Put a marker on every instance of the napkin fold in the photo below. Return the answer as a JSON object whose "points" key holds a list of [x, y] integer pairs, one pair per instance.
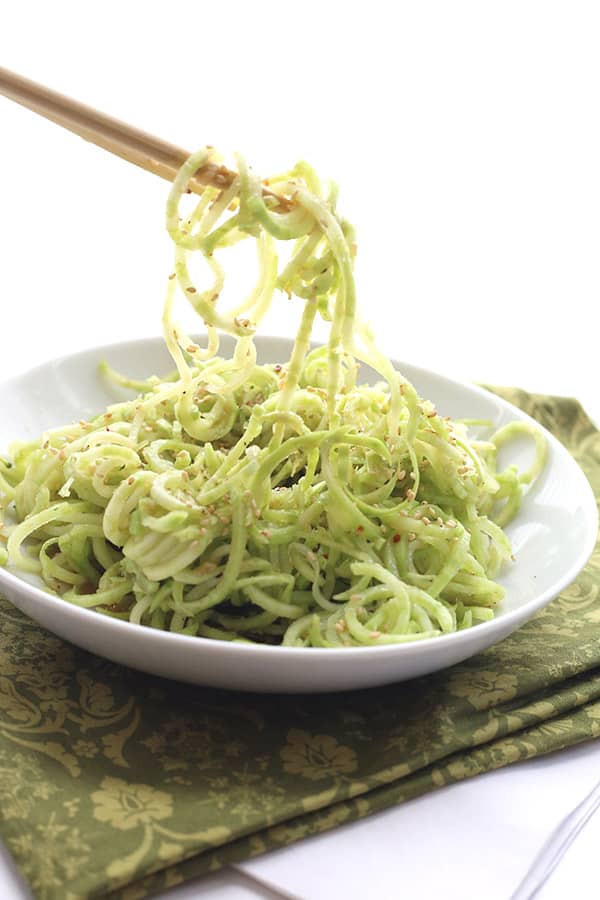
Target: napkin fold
{"points": [[117, 783]]}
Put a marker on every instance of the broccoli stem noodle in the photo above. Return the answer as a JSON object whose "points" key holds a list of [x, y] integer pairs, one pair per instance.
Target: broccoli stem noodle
{"points": [[282, 504]]}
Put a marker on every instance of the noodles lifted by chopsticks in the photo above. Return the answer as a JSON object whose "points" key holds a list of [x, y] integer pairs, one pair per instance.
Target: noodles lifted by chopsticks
{"points": [[284, 504]]}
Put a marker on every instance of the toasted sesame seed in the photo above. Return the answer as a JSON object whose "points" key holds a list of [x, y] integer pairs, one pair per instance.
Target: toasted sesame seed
{"points": [[191, 290], [172, 276], [451, 523], [130, 480]]}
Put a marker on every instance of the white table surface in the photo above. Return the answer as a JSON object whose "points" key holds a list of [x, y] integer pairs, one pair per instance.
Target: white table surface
{"points": [[465, 141]]}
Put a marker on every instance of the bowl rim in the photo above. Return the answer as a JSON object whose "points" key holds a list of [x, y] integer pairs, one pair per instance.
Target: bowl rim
{"points": [[506, 623]]}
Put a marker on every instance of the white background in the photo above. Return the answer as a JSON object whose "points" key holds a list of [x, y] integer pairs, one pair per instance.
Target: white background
{"points": [[465, 138]]}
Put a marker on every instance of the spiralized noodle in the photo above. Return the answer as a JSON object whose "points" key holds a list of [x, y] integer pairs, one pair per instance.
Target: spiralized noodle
{"points": [[283, 504]]}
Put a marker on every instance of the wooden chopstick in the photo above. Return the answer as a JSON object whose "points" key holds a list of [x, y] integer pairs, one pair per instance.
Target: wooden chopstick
{"points": [[132, 144]]}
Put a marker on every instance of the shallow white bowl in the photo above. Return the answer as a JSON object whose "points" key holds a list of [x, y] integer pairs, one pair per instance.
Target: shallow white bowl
{"points": [[552, 536]]}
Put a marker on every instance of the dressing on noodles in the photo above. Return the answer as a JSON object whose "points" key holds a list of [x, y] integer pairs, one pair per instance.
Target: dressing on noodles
{"points": [[283, 504]]}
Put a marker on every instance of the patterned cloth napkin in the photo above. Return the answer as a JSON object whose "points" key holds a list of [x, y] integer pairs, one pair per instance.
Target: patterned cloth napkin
{"points": [[114, 782]]}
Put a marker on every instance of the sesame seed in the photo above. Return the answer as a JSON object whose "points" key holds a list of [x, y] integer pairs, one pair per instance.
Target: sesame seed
{"points": [[190, 290], [130, 480], [451, 523], [440, 521], [412, 536], [172, 276], [426, 521], [375, 635], [410, 494], [431, 511]]}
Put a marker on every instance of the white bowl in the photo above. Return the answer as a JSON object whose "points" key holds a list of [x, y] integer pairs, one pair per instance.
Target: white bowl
{"points": [[552, 536]]}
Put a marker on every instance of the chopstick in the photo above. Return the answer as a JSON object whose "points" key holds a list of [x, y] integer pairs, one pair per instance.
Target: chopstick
{"points": [[129, 143]]}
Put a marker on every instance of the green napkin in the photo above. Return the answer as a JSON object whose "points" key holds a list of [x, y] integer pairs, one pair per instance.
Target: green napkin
{"points": [[114, 781]]}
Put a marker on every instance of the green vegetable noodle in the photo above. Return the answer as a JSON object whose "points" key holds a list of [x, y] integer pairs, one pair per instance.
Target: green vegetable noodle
{"points": [[280, 504]]}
